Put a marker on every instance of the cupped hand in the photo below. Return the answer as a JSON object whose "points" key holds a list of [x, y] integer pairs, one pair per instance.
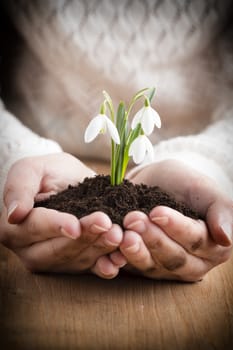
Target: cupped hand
{"points": [[48, 240], [166, 244], [35, 178]]}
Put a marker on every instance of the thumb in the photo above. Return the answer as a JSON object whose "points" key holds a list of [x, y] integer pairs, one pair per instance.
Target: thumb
{"points": [[220, 222], [22, 185]]}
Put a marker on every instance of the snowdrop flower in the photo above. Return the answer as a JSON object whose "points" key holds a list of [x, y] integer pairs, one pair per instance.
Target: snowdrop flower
{"points": [[126, 142], [139, 147], [98, 125], [148, 117]]}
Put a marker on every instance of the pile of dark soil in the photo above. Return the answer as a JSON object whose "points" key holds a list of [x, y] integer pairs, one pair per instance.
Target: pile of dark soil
{"points": [[97, 194]]}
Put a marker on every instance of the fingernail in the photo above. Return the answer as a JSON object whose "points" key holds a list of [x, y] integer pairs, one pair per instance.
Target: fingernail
{"points": [[121, 264], [11, 209], [137, 225], [160, 220], [110, 243], [133, 248], [227, 230], [67, 234], [98, 229], [118, 259], [121, 261]]}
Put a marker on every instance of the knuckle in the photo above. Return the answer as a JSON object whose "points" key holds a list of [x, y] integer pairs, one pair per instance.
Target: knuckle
{"points": [[155, 244], [197, 243], [139, 260], [84, 263], [176, 262], [59, 253], [86, 239], [100, 245], [104, 244], [153, 272]]}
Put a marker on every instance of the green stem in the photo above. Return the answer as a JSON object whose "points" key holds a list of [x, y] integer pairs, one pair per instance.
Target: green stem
{"points": [[109, 103], [113, 163], [119, 153]]}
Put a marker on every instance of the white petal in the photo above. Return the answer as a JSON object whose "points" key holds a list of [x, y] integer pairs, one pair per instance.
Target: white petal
{"points": [[94, 127], [137, 118], [150, 118], [156, 118], [149, 148], [113, 131], [148, 121], [137, 150]]}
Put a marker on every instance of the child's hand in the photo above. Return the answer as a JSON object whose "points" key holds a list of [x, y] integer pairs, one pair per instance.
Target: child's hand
{"points": [[47, 240], [168, 245]]}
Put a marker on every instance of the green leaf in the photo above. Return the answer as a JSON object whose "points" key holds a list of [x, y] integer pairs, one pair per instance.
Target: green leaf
{"points": [[108, 100], [151, 94], [120, 117], [139, 94], [121, 124], [134, 134], [125, 152]]}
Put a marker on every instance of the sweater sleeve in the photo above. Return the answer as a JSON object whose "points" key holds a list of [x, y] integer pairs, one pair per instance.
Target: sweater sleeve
{"points": [[17, 141], [210, 152]]}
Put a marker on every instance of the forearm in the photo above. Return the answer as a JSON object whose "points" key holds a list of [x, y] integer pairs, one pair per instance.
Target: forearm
{"points": [[16, 142]]}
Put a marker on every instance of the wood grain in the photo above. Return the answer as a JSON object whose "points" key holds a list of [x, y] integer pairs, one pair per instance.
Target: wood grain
{"points": [[46, 311], [85, 312]]}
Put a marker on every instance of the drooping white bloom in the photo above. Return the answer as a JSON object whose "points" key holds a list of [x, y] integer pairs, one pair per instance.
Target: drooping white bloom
{"points": [[148, 117], [139, 148], [100, 124]]}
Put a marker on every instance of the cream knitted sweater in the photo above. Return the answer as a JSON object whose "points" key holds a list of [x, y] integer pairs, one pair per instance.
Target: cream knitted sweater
{"points": [[70, 51]]}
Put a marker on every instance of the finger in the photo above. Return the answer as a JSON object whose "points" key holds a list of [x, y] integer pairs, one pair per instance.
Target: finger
{"points": [[216, 207], [191, 234], [93, 225], [171, 261], [104, 244], [22, 184], [135, 251], [59, 254], [40, 225], [66, 256], [50, 255], [164, 251], [74, 256], [105, 268], [197, 190], [118, 258], [220, 222]]}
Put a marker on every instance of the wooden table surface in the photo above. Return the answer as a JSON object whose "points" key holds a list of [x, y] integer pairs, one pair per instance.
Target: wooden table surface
{"points": [[47, 311]]}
